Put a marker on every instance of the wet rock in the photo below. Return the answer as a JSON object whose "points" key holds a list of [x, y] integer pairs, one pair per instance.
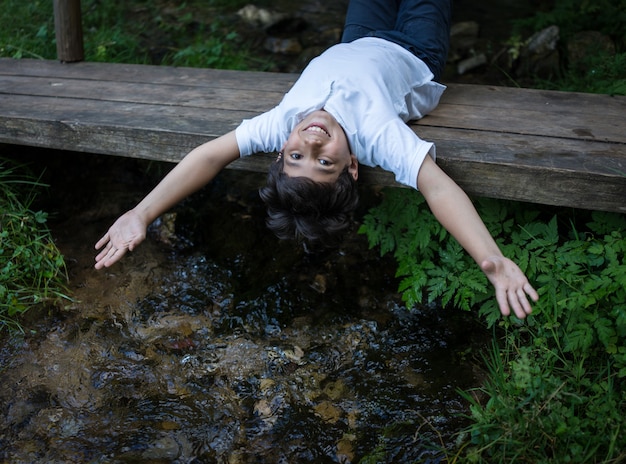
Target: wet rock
{"points": [[328, 412], [345, 448], [466, 50], [543, 42], [165, 448], [56, 421], [260, 17], [160, 326], [177, 344], [319, 283], [540, 56], [200, 366], [471, 63], [270, 407], [20, 411], [335, 390], [164, 229], [284, 359]]}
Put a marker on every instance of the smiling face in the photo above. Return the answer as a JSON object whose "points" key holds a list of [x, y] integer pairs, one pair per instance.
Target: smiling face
{"points": [[317, 148]]}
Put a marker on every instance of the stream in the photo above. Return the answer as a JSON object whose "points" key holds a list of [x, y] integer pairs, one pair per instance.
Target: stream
{"points": [[214, 342]]}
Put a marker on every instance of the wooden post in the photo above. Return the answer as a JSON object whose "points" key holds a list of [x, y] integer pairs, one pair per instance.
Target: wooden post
{"points": [[68, 30]]}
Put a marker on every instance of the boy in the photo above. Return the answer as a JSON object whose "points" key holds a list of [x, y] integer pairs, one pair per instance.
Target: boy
{"points": [[350, 105]]}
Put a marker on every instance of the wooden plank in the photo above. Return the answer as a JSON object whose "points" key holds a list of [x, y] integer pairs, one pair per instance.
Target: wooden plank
{"points": [[119, 72], [541, 100], [545, 147], [532, 107], [576, 174], [471, 107], [521, 150], [510, 166], [253, 100], [72, 125], [592, 157], [524, 121]]}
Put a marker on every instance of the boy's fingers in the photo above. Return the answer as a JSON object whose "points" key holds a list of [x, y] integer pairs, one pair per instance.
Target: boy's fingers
{"points": [[103, 241], [503, 303], [114, 257], [109, 257], [515, 304], [521, 306], [531, 292]]}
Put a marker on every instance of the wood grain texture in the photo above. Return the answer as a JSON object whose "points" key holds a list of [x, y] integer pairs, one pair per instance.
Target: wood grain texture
{"points": [[556, 148]]}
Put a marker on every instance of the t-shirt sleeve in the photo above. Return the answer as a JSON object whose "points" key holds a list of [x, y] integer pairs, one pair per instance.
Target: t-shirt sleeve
{"points": [[264, 133], [396, 148]]}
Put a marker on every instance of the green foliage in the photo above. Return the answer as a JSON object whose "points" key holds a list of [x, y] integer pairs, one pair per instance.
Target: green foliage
{"points": [[191, 33], [599, 71], [431, 264], [212, 52], [555, 391], [572, 16], [28, 32], [547, 407], [32, 270]]}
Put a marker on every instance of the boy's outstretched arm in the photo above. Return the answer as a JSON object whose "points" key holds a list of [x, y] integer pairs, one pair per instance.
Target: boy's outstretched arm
{"points": [[195, 170], [452, 207]]}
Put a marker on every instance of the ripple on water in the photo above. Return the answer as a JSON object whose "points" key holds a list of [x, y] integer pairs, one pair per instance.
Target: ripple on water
{"points": [[214, 356]]}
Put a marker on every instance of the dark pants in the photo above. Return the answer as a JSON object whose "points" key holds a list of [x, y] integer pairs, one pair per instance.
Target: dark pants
{"points": [[420, 26]]}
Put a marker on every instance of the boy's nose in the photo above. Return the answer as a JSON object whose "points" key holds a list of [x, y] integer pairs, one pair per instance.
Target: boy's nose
{"points": [[313, 147]]}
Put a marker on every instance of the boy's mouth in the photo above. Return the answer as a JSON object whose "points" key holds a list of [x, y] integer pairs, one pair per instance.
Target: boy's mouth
{"points": [[317, 128]]}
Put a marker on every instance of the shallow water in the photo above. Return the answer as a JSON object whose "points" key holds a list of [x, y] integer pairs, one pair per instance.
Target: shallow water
{"points": [[213, 342]]}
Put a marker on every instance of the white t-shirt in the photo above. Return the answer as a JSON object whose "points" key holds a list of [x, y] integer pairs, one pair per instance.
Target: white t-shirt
{"points": [[372, 87]]}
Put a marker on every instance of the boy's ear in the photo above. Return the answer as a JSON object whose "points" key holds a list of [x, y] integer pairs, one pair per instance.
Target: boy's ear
{"points": [[353, 168]]}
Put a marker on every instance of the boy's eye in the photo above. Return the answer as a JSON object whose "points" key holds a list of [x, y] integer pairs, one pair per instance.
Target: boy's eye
{"points": [[295, 156], [324, 162]]}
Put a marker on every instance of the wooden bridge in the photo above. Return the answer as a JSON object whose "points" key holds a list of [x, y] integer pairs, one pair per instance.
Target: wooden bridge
{"points": [[554, 148]]}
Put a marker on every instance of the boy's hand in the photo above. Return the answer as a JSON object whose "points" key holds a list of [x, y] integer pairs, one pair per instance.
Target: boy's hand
{"points": [[124, 235], [512, 287]]}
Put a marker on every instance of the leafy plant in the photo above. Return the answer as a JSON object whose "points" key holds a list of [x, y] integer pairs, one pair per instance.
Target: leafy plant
{"points": [[431, 264], [32, 270], [555, 387]]}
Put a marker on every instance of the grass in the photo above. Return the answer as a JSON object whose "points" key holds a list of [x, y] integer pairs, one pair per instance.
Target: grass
{"points": [[32, 269], [194, 33]]}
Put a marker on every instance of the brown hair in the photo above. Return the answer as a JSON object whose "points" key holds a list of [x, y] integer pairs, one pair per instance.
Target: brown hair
{"points": [[317, 213]]}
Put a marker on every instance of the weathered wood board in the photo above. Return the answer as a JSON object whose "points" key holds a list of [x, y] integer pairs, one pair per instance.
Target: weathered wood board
{"points": [[555, 148]]}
